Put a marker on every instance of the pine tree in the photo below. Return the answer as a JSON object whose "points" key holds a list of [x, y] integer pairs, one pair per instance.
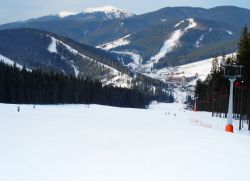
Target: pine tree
{"points": [[215, 66], [243, 54]]}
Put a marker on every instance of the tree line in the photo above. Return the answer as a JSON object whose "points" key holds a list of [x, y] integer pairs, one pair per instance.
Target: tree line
{"points": [[37, 87], [213, 93]]}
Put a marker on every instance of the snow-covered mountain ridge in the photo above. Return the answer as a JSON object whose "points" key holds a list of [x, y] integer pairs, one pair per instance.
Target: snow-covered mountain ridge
{"points": [[110, 11], [150, 32], [97, 13]]}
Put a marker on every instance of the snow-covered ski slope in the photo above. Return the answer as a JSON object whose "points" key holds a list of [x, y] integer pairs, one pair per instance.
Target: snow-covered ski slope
{"points": [[76, 143]]}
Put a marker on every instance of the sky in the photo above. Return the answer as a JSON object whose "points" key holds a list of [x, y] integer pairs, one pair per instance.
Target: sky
{"points": [[15, 10]]}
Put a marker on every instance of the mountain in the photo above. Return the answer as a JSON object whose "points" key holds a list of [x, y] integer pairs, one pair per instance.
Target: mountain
{"points": [[100, 14], [52, 17], [138, 39], [37, 49], [88, 15], [175, 42], [149, 42]]}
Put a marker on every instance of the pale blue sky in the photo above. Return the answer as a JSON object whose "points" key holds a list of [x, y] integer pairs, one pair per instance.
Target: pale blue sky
{"points": [[13, 10]]}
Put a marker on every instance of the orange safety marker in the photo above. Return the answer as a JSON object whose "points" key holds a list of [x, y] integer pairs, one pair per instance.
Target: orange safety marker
{"points": [[229, 128]]}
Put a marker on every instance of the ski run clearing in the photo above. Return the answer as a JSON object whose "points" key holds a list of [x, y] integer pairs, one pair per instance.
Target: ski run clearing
{"points": [[101, 143], [117, 43], [172, 42]]}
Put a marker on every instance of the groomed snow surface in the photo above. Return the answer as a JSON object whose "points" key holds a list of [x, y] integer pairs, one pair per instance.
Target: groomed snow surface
{"points": [[76, 143]]}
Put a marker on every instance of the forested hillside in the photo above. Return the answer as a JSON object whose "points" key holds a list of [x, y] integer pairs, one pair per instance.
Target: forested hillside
{"points": [[36, 87]]}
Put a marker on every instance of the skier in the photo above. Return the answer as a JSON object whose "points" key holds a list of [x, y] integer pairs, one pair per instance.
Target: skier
{"points": [[18, 108]]}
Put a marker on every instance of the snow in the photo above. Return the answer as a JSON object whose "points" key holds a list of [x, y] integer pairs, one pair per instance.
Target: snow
{"points": [[198, 42], [9, 61], [168, 46], [72, 142], [192, 24], [110, 11], [178, 24], [137, 59], [121, 80], [172, 42], [229, 32], [117, 43], [196, 70], [116, 80], [64, 14], [75, 69], [52, 46]]}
